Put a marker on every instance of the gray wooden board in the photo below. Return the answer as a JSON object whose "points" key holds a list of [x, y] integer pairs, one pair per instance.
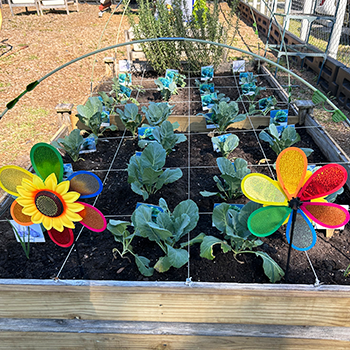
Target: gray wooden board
{"points": [[174, 328]]}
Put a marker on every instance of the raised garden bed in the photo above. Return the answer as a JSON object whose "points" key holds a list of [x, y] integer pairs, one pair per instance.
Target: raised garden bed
{"points": [[148, 301]]}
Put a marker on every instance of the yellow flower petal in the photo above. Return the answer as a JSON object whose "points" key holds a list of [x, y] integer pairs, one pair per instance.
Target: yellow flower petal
{"points": [[76, 207], [28, 185], [38, 183], [66, 222], [73, 216], [51, 182], [71, 197], [30, 210], [57, 224], [62, 188], [23, 193], [24, 202], [47, 222], [37, 218]]}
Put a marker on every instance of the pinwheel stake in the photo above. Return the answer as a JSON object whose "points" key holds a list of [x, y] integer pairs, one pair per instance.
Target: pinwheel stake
{"points": [[46, 199], [297, 198], [294, 204]]}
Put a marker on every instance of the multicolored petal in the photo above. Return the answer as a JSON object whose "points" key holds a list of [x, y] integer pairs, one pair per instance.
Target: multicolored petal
{"points": [[18, 216], [326, 180], [46, 160], [86, 183], [265, 221], [291, 166], [11, 176], [304, 236], [329, 215], [63, 239], [261, 189], [93, 219]]}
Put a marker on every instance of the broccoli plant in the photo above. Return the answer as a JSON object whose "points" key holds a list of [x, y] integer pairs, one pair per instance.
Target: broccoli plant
{"points": [[167, 230], [71, 144], [226, 144], [224, 114], [91, 115], [232, 175], [123, 236], [130, 117], [166, 87], [123, 92], [157, 113], [169, 86], [146, 175], [232, 224], [165, 136], [278, 143]]}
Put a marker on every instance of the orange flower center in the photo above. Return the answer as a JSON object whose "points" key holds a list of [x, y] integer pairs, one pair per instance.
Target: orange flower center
{"points": [[49, 204]]}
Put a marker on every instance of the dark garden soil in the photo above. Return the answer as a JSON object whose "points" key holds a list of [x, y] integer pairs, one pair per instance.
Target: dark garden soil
{"points": [[93, 258], [329, 256]]}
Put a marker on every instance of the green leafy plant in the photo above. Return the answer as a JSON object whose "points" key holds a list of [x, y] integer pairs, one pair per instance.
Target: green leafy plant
{"points": [[91, 115], [155, 19], [157, 113], [120, 94], [263, 106], [123, 236], [25, 244], [278, 143], [146, 175], [169, 86], [130, 117], [123, 92], [232, 175], [165, 136], [71, 144], [166, 87], [167, 230], [226, 145], [237, 238], [225, 114]]}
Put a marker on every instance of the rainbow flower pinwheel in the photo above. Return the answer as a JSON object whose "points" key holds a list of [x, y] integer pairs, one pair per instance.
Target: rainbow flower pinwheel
{"points": [[46, 199], [295, 191]]}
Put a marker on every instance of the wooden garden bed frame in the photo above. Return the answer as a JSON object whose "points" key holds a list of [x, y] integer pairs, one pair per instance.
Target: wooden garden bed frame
{"points": [[57, 314]]}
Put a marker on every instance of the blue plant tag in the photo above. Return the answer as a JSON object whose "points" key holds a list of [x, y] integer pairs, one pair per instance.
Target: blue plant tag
{"points": [[207, 73], [221, 138], [238, 66], [36, 234], [169, 74], [208, 101], [145, 133], [279, 117], [67, 171], [125, 79], [88, 146]]}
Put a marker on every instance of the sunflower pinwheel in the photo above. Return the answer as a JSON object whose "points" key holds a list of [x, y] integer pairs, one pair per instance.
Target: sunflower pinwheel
{"points": [[46, 199], [295, 192]]}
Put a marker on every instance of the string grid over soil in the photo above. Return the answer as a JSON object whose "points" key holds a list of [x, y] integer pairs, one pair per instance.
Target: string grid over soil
{"points": [[117, 201]]}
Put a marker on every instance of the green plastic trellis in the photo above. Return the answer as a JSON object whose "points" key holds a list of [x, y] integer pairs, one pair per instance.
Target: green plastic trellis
{"points": [[337, 114]]}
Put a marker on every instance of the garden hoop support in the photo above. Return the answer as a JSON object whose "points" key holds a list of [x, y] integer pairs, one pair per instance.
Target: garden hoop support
{"points": [[336, 112]]}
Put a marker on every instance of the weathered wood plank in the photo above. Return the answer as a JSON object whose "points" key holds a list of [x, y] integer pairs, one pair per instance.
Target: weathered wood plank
{"points": [[174, 328], [84, 341], [178, 304]]}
